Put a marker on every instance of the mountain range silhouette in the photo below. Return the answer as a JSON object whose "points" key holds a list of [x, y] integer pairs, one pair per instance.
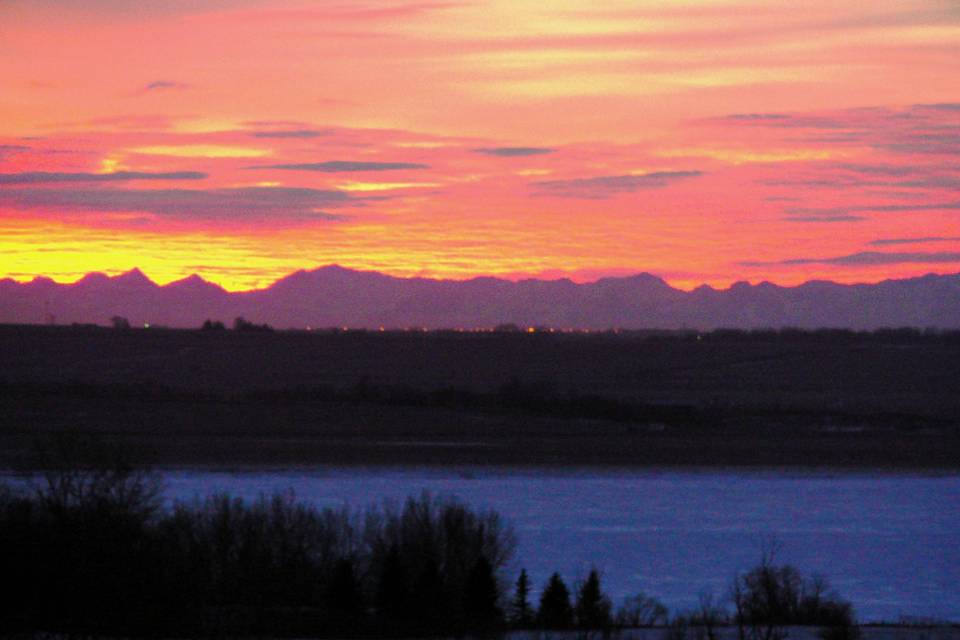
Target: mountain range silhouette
{"points": [[335, 296]]}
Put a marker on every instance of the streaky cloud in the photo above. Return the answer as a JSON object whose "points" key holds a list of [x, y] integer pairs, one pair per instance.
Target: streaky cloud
{"points": [[161, 85], [840, 218], [846, 175], [356, 12], [879, 208], [757, 117], [344, 166], [600, 187], [932, 182], [302, 134], [784, 121], [923, 240], [513, 152], [940, 106], [245, 204], [935, 143], [879, 169], [866, 258], [41, 177]]}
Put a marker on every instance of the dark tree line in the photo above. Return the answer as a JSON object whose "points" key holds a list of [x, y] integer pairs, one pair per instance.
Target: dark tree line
{"points": [[90, 550]]}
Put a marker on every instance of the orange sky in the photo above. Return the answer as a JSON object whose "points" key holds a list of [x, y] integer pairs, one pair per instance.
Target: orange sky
{"points": [[703, 141]]}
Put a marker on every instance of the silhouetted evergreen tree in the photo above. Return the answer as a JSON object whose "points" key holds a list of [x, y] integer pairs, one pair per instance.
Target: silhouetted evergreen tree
{"points": [[429, 611], [392, 594], [521, 615], [555, 611], [593, 607], [345, 608], [480, 596]]}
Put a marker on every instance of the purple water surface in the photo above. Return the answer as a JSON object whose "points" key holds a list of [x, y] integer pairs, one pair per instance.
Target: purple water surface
{"points": [[890, 543]]}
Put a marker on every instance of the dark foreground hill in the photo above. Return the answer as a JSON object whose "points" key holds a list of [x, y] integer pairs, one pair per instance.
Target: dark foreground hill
{"points": [[825, 399], [334, 297]]}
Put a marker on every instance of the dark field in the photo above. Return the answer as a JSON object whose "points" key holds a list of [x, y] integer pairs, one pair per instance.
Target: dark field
{"points": [[882, 400]]}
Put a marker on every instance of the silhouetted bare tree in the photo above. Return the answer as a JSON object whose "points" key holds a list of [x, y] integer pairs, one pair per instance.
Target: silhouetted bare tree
{"points": [[772, 596], [641, 611], [708, 616], [85, 473]]}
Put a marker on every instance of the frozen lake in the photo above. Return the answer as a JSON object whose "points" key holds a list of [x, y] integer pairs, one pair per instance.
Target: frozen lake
{"points": [[888, 543]]}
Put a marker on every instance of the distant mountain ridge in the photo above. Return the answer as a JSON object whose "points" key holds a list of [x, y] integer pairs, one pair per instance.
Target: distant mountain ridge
{"points": [[335, 296]]}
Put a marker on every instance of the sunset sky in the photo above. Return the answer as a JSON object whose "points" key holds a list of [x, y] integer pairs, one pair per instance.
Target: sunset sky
{"points": [[702, 141]]}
